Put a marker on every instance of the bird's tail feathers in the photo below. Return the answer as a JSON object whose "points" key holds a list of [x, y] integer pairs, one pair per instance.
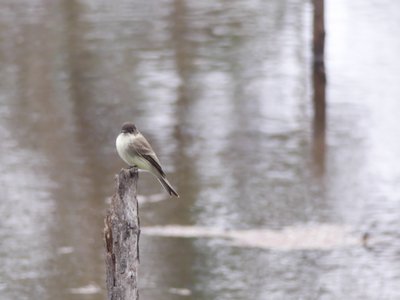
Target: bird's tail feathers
{"points": [[168, 187]]}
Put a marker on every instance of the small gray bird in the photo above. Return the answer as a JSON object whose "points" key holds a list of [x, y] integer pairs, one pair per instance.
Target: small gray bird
{"points": [[136, 151]]}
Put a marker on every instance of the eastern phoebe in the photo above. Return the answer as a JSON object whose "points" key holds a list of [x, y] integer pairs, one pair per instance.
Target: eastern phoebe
{"points": [[136, 151]]}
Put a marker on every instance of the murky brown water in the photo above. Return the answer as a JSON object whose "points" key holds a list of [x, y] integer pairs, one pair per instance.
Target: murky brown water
{"points": [[223, 91]]}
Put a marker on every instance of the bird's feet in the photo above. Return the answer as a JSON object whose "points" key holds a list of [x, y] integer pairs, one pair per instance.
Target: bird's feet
{"points": [[132, 170]]}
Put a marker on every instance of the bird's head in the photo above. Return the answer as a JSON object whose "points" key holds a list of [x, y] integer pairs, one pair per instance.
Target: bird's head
{"points": [[129, 128]]}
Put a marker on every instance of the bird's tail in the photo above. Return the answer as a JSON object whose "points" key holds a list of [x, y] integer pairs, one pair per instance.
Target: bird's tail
{"points": [[168, 187]]}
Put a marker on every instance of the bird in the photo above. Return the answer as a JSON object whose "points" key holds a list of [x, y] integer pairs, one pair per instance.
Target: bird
{"points": [[136, 151]]}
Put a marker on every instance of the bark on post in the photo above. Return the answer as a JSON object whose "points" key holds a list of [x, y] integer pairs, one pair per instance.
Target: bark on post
{"points": [[121, 236]]}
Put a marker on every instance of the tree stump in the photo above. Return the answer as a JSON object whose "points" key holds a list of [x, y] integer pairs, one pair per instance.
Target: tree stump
{"points": [[121, 236]]}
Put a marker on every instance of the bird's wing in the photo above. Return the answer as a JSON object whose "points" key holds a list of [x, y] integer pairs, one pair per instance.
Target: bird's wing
{"points": [[142, 147]]}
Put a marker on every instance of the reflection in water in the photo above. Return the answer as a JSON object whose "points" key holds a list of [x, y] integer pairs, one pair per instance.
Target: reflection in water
{"points": [[319, 85], [221, 89], [319, 121]]}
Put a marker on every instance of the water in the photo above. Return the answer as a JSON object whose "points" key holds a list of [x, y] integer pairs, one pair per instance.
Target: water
{"points": [[223, 92]]}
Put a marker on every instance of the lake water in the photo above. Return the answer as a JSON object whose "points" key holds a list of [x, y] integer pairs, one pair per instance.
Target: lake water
{"points": [[223, 91]]}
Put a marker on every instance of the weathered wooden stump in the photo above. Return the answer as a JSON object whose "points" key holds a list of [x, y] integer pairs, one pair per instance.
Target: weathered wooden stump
{"points": [[121, 236]]}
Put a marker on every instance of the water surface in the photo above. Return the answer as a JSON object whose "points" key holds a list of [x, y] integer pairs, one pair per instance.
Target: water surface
{"points": [[223, 92]]}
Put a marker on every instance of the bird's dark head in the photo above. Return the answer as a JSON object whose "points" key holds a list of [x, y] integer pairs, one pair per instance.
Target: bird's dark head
{"points": [[129, 128]]}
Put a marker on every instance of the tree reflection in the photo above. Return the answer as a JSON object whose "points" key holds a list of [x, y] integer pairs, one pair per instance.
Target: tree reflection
{"points": [[319, 85], [319, 122]]}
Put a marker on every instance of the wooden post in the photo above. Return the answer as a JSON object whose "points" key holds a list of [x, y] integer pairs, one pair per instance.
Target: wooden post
{"points": [[121, 236]]}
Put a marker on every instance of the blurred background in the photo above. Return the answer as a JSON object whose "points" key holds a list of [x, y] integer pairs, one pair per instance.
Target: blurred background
{"points": [[224, 92]]}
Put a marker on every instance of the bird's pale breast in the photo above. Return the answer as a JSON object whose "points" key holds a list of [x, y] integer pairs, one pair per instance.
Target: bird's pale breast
{"points": [[123, 143]]}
